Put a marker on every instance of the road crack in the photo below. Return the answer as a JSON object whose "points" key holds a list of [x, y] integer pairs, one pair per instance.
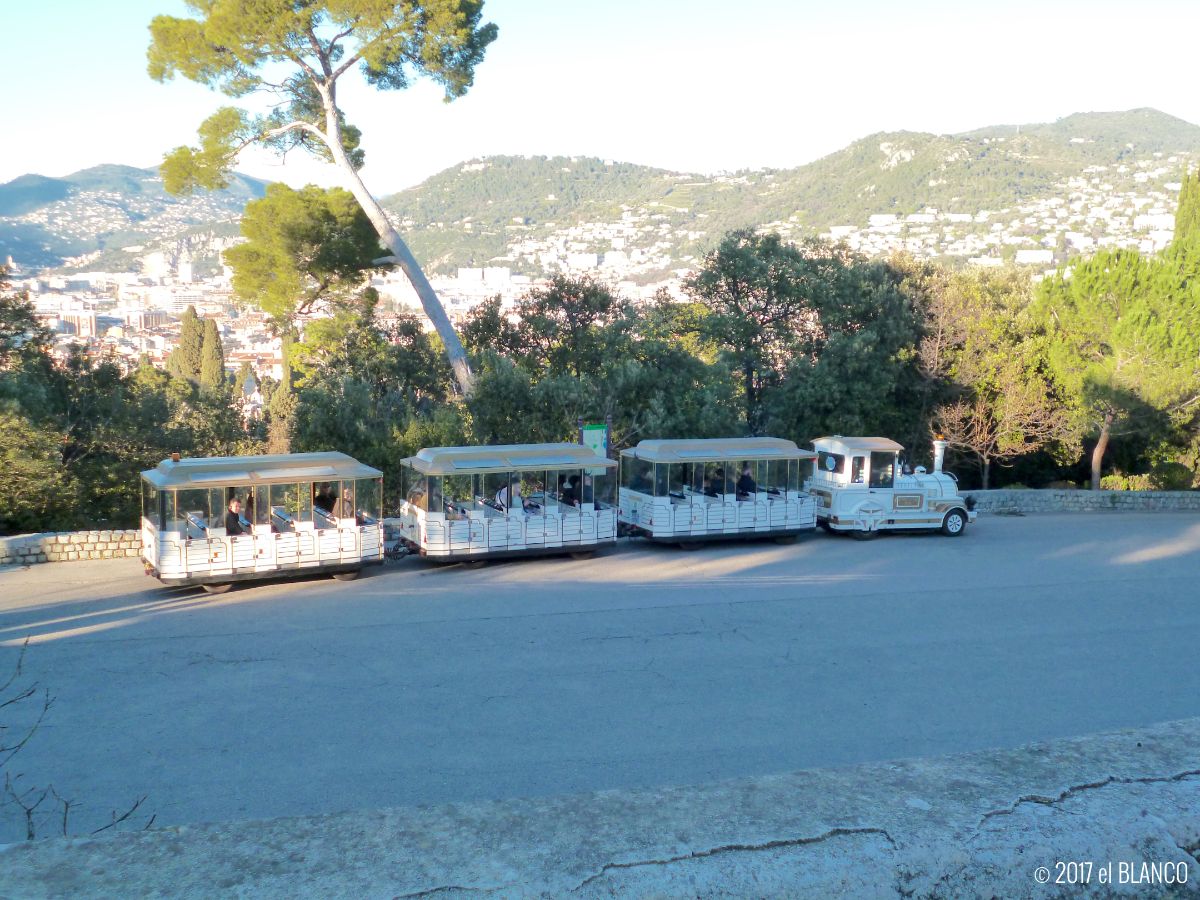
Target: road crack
{"points": [[448, 888], [1077, 789], [733, 848]]}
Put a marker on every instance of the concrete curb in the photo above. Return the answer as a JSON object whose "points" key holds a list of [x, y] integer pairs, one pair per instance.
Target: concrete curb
{"points": [[979, 824]]}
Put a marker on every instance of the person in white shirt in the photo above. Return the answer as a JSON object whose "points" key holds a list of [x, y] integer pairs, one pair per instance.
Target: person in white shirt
{"points": [[510, 492]]}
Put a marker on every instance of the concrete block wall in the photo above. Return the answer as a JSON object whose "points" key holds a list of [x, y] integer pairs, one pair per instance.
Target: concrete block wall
{"points": [[24, 549], [1035, 501]]}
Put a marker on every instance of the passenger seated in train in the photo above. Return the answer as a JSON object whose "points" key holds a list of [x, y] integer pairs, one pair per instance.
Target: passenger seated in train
{"points": [[568, 492], [325, 499], [509, 496], [714, 486], [746, 484], [233, 519]]}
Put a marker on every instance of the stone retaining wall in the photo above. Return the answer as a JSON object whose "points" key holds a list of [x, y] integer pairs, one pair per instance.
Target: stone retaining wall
{"points": [[23, 549], [1035, 501]]}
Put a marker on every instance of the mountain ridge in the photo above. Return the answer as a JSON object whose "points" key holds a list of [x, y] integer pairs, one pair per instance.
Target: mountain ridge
{"points": [[516, 210]]}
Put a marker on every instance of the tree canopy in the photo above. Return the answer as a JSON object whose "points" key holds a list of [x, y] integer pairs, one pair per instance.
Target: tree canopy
{"points": [[302, 247], [297, 53]]}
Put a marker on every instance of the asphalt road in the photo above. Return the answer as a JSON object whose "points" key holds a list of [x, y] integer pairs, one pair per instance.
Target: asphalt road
{"points": [[645, 666]]}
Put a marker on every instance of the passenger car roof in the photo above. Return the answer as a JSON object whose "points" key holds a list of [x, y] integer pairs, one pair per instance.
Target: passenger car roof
{"points": [[283, 468], [702, 450], [505, 458]]}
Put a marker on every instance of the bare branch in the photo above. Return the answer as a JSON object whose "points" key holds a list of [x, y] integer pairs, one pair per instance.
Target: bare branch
{"points": [[321, 53], [117, 820], [16, 672], [8, 752], [27, 809], [297, 125]]}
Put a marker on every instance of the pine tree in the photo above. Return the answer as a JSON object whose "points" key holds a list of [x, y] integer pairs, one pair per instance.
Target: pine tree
{"points": [[212, 359]]}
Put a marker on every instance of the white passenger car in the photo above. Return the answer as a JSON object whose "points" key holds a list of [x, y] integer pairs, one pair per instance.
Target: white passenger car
{"points": [[689, 491], [301, 513], [474, 503], [860, 488]]}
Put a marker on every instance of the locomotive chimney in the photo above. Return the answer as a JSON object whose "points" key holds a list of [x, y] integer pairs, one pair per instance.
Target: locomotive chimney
{"points": [[939, 452]]}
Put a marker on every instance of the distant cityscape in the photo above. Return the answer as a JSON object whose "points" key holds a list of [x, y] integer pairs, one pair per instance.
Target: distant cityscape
{"points": [[130, 315]]}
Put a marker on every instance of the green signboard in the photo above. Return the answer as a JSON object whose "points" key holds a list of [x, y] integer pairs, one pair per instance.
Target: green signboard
{"points": [[595, 437]]}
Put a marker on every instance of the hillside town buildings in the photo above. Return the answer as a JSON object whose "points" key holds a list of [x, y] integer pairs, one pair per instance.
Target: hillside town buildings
{"points": [[128, 316]]}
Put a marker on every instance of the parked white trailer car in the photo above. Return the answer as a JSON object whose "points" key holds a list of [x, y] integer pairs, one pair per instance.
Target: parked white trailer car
{"points": [[474, 503], [297, 513], [688, 491], [860, 488]]}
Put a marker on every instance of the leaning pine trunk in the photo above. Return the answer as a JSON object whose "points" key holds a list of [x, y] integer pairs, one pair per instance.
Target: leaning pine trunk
{"points": [[401, 255], [1098, 452]]}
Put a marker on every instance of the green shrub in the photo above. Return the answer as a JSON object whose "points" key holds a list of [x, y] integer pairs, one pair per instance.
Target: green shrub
{"points": [[1119, 482], [1171, 476]]}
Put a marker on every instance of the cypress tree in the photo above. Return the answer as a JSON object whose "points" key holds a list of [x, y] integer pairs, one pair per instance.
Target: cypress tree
{"points": [[187, 357], [212, 359], [1187, 214]]}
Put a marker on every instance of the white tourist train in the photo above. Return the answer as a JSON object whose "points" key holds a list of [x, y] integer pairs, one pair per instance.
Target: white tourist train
{"points": [[689, 491], [214, 521], [861, 487], [473, 503]]}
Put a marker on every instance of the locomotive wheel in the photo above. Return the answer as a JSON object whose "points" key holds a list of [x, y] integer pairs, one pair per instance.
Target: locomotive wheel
{"points": [[824, 525], [583, 554], [955, 523], [347, 576], [217, 588], [864, 534]]}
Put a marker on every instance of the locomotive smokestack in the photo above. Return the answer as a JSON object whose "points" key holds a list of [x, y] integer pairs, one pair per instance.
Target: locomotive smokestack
{"points": [[939, 453]]}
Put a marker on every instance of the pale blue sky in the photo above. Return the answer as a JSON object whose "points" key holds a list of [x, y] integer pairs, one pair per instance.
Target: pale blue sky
{"points": [[697, 86]]}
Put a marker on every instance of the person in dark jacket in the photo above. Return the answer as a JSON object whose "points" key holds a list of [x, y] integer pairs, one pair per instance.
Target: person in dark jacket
{"points": [[746, 484], [233, 518]]}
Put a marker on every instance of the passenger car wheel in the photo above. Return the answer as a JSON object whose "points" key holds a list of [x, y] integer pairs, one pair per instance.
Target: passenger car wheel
{"points": [[347, 576], [955, 523], [217, 588], [583, 554]]}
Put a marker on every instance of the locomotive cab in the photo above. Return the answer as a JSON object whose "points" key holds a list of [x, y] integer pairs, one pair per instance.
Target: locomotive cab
{"points": [[861, 486]]}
